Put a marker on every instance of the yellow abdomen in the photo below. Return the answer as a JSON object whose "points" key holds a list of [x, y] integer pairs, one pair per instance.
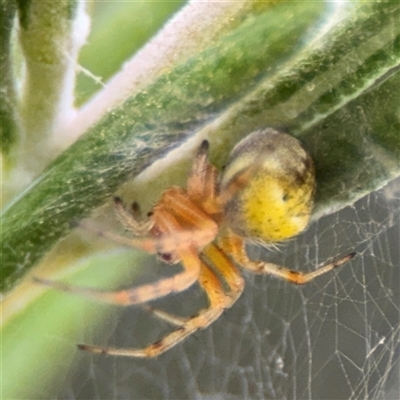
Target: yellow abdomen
{"points": [[271, 180], [273, 209]]}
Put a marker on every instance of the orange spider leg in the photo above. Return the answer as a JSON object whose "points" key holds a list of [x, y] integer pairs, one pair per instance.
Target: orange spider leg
{"points": [[224, 266], [234, 245], [222, 263], [208, 200], [202, 182], [144, 293], [197, 178], [218, 301]]}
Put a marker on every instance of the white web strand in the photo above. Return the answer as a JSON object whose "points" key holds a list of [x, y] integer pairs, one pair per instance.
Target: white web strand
{"points": [[337, 337]]}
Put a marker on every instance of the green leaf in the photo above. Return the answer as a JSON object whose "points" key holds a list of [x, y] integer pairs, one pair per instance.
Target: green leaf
{"points": [[331, 79]]}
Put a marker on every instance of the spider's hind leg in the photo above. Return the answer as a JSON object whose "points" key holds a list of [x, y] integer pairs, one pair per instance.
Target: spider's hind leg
{"points": [[218, 302], [234, 245]]}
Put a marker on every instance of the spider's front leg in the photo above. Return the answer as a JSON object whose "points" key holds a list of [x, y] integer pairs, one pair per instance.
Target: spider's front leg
{"points": [[202, 181], [218, 300], [140, 294], [186, 253]]}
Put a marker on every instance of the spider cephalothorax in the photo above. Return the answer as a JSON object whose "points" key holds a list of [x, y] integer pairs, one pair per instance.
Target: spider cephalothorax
{"points": [[265, 194]]}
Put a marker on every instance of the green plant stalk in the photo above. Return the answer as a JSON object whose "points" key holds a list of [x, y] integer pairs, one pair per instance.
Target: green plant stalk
{"points": [[49, 50], [8, 118]]}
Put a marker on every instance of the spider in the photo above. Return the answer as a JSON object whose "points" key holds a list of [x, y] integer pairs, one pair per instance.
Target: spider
{"points": [[265, 195]]}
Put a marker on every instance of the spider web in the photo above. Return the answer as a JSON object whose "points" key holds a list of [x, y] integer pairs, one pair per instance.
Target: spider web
{"points": [[335, 338]]}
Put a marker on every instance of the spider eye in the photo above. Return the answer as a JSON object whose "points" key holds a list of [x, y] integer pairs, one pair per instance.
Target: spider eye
{"points": [[135, 207]]}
